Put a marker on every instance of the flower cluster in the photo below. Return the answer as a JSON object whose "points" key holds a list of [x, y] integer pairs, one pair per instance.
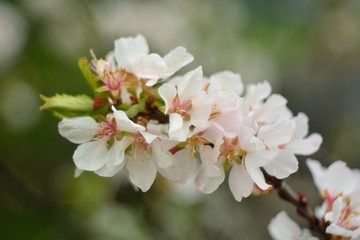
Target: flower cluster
{"points": [[148, 121], [339, 187]]}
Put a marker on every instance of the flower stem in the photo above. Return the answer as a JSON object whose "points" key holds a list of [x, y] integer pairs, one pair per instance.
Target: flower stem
{"points": [[301, 203]]}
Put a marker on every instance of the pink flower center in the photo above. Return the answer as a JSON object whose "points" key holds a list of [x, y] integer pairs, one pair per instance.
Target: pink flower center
{"points": [[140, 148], [231, 151], [107, 130], [181, 108]]}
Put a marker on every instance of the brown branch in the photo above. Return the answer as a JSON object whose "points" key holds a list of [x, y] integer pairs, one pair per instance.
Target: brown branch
{"points": [[301, 203]]}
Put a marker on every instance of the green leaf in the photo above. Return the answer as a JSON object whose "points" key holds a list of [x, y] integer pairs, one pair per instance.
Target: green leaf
{"points": [[89, 75], [63, 103], [135, 110]]}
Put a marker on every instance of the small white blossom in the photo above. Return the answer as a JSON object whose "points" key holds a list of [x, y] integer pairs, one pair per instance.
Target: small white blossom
{"points": [[282, 227]]}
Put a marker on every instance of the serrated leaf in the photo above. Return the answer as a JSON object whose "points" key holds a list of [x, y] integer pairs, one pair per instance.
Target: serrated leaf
{"points": [[88, 74], [67, 103]]}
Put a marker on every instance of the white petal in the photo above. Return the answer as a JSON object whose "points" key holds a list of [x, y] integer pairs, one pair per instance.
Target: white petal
{"points": [[142, 172], [79, 129], [127, 50], [207, 184], [167, 92], [209, 159], [253, 162], [149, 67], [177, 59], [305, 146], [162, 157], [283, 164], [276, 134], [91, 156], [282, 227], [240, 182], [273, 110], [124, 123], [149, 137], [317, 172], [182, 169], [115, 158], [334, 229], [175, 122], [256, 93], [191, 84], [227, 81], [302, 125], [201, 110]]}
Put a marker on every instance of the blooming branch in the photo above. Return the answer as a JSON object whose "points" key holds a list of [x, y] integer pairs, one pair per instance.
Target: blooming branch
{"points": [[144, 120]]}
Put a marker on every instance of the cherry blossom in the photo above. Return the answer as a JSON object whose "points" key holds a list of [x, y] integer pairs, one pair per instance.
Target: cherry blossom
{"points": [[340, 188], [282, 227], [102, 144], [132, 55]]}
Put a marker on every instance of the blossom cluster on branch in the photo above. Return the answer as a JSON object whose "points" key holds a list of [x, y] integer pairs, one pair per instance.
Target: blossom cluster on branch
{"points": [[143, 120]]}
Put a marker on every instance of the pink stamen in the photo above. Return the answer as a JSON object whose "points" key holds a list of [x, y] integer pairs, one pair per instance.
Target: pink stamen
{"points": [[107, 130]]}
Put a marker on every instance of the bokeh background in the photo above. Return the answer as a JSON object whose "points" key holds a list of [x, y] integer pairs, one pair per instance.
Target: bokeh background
{"points": [[308, 50]]}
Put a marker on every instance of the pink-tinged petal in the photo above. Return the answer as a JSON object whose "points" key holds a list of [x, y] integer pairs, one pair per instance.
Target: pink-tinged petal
{"points": [[207, 184], [124, 123], [161, 156], [127, 50], [214, 135], [182, 169], [226, 81], [115, 158], [240, 182], [305, 146], [276, 134], [176, 59], [301, 125], [282, 165], [191, 84], [282, 227], [91, 156], [167, 92], [142, 172], [255, 93], [79, 129], [149, 67], [230, 120], [253, 162]]}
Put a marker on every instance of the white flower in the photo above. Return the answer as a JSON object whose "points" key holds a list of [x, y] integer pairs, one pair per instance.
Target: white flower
{"points": [[280, 162], [132, 55], [147, 155], [186, 103], [242, 154], [224, 89], [102, 145], [340, 188], [282, 227], [300, 144]]}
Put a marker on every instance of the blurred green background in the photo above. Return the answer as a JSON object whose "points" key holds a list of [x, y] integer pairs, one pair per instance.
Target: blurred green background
{"points": [[308, 50]]}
